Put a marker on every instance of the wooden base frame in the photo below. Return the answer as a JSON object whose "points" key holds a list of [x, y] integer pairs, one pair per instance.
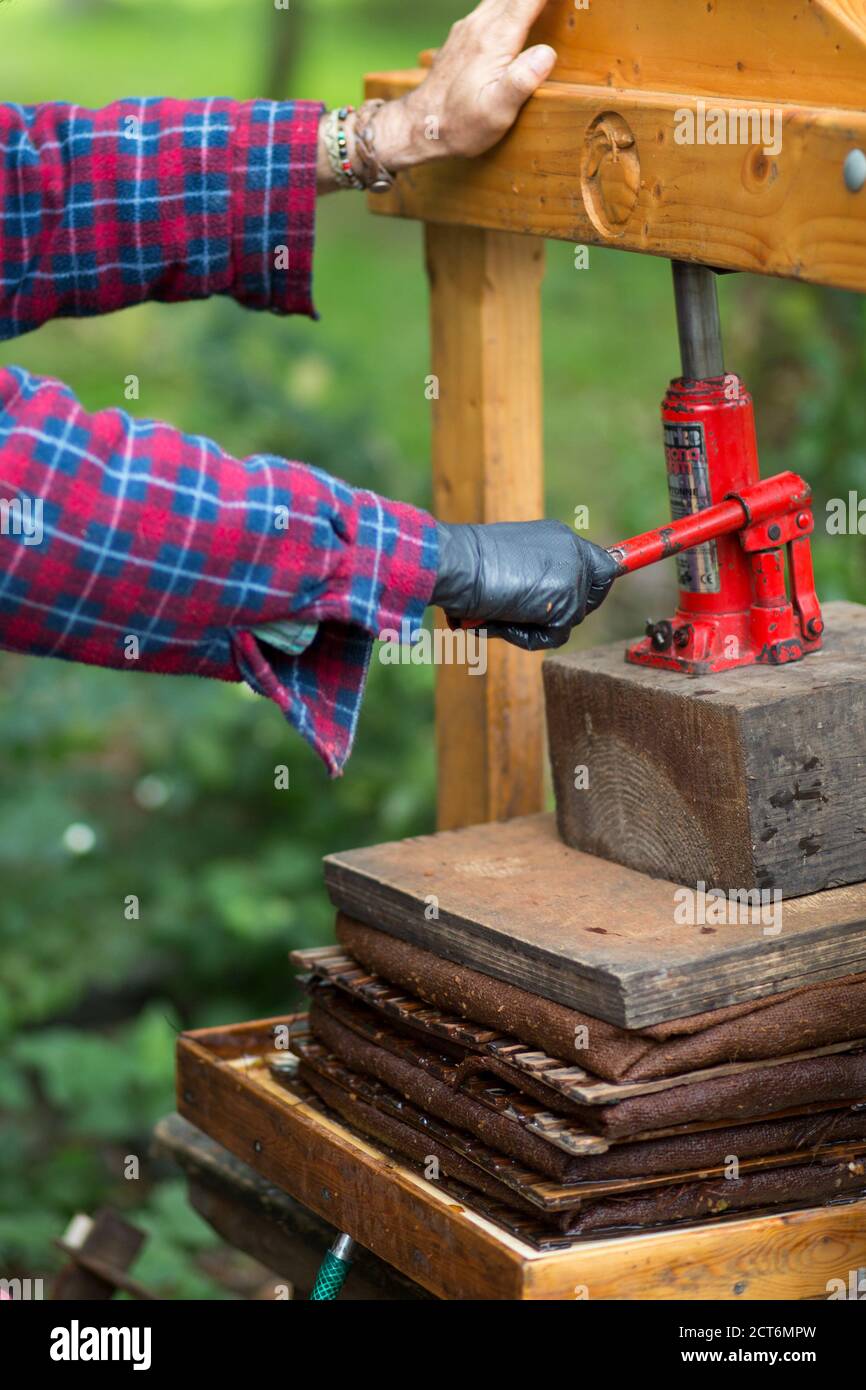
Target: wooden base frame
{"points": [[225, 1089]]}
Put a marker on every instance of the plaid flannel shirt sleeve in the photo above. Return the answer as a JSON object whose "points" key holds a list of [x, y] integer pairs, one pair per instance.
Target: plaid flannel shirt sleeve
{"points": [[155, 199], [128, 544], [125, 543]]}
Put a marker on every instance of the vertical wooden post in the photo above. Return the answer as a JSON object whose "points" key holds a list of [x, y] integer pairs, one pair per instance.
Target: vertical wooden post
{"points": [[487, 466]]}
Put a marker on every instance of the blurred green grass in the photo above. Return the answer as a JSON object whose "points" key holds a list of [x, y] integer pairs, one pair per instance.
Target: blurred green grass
{"points": [[176, 778]]}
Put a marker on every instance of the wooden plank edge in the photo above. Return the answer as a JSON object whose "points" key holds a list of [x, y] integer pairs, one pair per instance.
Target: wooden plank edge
{"points": [[792, 1255]]}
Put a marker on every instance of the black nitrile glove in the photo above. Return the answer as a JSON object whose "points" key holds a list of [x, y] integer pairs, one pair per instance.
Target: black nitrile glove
{"points": [[530, 582]]}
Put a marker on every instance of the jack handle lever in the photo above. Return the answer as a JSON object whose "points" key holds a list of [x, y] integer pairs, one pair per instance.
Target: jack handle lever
{"points": [[783, 502], [764, 502]]}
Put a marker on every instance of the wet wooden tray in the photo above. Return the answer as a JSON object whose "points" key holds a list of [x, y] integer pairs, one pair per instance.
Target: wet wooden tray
{"points": [[225, 1088]]}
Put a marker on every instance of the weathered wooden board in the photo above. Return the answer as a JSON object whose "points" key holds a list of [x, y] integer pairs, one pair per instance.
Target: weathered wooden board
{"points": [[751, 778], [515, 902], [416, 1226]]}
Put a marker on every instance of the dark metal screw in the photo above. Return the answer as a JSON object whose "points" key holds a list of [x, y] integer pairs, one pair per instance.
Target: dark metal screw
{"points": [[683, 635], [774, 532]]}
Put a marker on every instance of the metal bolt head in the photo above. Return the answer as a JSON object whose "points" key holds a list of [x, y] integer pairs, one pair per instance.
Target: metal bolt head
{"points": [[661, 634], [803, 520], [855, 170]]}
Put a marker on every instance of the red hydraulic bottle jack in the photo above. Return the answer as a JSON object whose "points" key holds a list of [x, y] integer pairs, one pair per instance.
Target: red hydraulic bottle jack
{"points": [[733, 535]]}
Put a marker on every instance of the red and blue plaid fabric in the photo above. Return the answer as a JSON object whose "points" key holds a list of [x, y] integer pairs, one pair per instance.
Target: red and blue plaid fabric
{"points": [[157, 551], [155, 199]]}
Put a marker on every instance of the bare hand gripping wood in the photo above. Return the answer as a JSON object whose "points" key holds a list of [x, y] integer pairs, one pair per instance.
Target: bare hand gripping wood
{"points": [[630, 144]]}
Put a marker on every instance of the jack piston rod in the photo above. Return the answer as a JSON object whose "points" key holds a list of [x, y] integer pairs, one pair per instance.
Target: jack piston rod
{"points": [[698, 323]]}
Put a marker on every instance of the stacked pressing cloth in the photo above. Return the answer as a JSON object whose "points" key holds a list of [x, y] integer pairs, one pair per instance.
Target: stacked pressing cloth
{"points": [[560, 1125]]}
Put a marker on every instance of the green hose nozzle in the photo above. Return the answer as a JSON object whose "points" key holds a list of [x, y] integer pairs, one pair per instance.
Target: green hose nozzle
{"points": [[334, 1269]]}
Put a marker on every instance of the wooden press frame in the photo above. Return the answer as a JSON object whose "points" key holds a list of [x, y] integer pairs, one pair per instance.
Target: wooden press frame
{"points": [[594, 159], [591, 160]]}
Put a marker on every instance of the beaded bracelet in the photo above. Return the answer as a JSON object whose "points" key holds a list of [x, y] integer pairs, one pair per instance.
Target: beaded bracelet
{"points": [[337, 146]]}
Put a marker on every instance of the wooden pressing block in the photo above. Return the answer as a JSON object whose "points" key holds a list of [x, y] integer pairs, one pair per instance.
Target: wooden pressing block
{"points": [[513, 901], [225, 1089], [747, 779]]}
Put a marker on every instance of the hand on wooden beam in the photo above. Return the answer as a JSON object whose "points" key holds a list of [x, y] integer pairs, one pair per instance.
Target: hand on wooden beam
{"points": [[479, 81]]}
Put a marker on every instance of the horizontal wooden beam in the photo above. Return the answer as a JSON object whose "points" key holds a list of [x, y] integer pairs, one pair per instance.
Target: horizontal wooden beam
{"points": [[641, 171]]}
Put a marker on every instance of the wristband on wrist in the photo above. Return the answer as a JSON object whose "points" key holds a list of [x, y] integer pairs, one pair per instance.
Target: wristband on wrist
{"points": [[375, 177]]}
